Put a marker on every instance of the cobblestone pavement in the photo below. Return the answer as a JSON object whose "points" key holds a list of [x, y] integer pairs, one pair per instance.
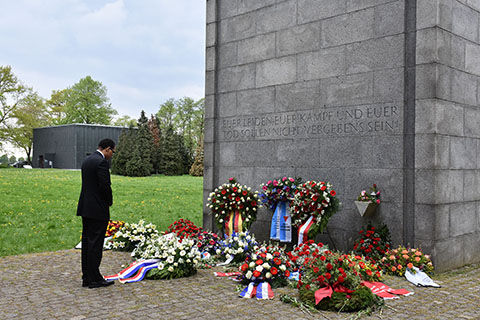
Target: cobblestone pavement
{"points": [[48, 286]]}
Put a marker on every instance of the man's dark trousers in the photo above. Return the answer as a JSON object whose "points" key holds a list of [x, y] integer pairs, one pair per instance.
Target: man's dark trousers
{"points": [[93, 235]]}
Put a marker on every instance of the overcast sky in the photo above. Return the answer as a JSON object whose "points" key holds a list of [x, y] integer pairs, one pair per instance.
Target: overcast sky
{"points": [[143, 51]]}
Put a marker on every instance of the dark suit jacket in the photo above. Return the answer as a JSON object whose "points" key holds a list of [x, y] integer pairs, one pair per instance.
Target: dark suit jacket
{"points": [[96, 195]]}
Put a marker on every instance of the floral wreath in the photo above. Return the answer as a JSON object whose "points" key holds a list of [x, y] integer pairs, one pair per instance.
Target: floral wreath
{"points": [[281, 189], [317, 200], [230, 197]]}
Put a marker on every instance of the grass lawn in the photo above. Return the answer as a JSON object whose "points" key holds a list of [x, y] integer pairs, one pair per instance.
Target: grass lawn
{"points": [[38, 206]]}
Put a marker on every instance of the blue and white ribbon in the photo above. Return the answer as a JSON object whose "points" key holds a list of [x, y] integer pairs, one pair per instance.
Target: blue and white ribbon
{"points": [[275, 227], [285, 222]]}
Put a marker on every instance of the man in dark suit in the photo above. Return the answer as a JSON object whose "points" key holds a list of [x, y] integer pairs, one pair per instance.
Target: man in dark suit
{"points": [[94, 208]]}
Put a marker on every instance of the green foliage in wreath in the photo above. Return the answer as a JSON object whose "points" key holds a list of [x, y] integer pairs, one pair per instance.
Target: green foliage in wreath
{"points": [[360, 299]]}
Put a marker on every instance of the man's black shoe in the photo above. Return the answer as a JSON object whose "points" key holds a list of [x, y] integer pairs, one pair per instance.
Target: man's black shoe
{"points": [[84, 283], [99, 284]]}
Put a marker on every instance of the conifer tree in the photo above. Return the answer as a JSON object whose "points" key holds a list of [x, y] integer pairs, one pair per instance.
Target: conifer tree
{"points": [[140, 162], [156, 132], [172, 158], [123, 151]]}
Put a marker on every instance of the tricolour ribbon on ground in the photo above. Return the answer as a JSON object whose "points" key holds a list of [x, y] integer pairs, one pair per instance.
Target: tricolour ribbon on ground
{"points": [[132, 269], [234, 223], [140, 274], [303, 230], [262, 291]]}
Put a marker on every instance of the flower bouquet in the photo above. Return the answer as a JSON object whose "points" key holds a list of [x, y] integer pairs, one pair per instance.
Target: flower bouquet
{"points": [[178, 258], [397, 260], [131, 234], [278, 195], [330, 282], [269, 263], [373, 242], [207, 242], [367, 201], [278, 190], [304, 252], [237, 247], [183, 228], [113, 226], [373, 196], [234, 206], [313, 205]]}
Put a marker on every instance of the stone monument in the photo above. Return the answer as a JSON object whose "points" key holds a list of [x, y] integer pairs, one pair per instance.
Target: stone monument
{"points": [[353, 92]]}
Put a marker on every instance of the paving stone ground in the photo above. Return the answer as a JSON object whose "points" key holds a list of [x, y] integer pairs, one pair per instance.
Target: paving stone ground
{"points": [[48, 286]]}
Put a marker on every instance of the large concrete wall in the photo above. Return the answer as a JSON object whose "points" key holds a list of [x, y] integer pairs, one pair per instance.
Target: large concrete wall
{"points": [[344, 91], [448, 130]]}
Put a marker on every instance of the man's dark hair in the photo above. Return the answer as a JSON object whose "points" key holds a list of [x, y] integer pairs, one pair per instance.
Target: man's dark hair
{"points": [[105, 143]]}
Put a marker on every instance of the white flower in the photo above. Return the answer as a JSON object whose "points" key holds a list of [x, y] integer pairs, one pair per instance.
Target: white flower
{"points": [[249, 274], [170, 269], [182, 253], [252, 264], [269, 256], [259, 268], [175, 264], [282, 267], [170, 259], [195, 261], [266, 266], [218, 251], [268, 275], [161, 266], [221, 220]]}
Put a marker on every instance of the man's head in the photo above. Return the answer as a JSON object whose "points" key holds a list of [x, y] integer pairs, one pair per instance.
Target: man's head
{"points": [[107, 147]]}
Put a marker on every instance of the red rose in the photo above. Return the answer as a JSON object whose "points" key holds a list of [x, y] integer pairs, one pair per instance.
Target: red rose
{"points": [[235, 189], [237, 199], [329, 267], [244, 192], [316, 270], [224, 192], [287, 273], [323, 258], [328, 276], [254, 203], [259, 262], [323, 188], [256, 274], [274, 270], [340, 279], [333, 193], [244, 267]]}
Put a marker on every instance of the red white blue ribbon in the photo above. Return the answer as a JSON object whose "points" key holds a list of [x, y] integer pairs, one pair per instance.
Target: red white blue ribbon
{"points": [[140, 274], [262, 291], [303, 231], [132, 269]]}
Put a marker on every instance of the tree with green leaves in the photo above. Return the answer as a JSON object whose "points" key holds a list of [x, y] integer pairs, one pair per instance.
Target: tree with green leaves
{"points": [[12, 159], [125, 121], [30, 113], [57, 106], [4, 158], [84, 102], [12, 91], [197, 167]]}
